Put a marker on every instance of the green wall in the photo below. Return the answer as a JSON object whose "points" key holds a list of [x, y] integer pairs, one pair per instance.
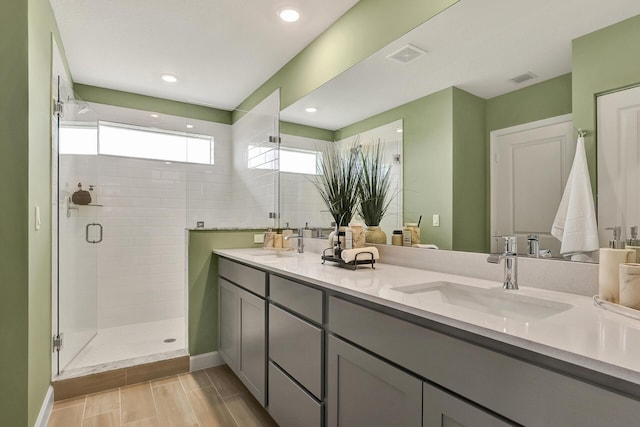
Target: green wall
{"points": [[360, 32], [203, 283], [446, 154], [470, 168], [427, 161], [25, 182], [14, 192], [603, 61], [543, 100], [295, 129], [150, 103]]}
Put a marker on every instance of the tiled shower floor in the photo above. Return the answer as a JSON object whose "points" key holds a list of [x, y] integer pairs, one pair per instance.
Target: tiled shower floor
{"points": [[131, 342]]}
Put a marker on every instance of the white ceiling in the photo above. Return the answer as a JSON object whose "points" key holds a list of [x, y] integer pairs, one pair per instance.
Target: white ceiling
{"points": [[477, 46], [220, 50]]}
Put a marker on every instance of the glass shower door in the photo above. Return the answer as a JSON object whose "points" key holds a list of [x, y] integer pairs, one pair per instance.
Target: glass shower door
{"points": [[79, 231]]}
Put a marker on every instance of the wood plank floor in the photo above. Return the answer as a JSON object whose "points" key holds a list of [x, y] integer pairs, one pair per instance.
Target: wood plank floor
{"points": [[212, 397]]}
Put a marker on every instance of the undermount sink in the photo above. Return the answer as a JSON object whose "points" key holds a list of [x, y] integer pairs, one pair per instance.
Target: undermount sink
{"points": [[265, 255], [495, 301]]}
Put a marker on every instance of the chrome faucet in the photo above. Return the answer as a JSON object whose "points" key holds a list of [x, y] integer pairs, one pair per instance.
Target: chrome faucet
{"points": [[300, 238], [510, 256]]}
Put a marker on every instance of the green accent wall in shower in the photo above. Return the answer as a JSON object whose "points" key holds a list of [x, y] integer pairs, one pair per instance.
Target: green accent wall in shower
{"points": [[203, 283], [149, 103], [603, 61]]}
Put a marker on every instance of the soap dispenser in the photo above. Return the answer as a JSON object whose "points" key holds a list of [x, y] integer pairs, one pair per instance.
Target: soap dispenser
{"points": [[609, 267], [617, 242], [633, 242]]}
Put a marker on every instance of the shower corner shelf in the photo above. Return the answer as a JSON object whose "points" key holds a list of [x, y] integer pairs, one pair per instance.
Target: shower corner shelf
{"points": [[72, 206]]}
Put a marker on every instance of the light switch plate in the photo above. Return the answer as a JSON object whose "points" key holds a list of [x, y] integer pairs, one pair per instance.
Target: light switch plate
{"points": [[436, 220], [258, 238], [37, 215]]}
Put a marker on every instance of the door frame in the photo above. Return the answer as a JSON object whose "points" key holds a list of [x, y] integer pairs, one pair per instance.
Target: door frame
{"points": [[493, 136]]}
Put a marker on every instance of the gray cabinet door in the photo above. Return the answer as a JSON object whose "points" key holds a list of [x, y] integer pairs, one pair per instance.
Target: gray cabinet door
{"points": [[228, 345], [252, 338], [363, 390], [441, 409]]}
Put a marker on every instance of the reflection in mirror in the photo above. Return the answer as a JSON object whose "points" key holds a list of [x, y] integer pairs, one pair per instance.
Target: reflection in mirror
{"points": [[255, 185], [474, 80], [301, 203], [524, 198], [618, 165], [390, 135]]}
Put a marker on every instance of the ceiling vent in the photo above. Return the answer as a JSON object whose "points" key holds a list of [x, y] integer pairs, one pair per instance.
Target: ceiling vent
{"points": [[524, 77], [406, 54]]}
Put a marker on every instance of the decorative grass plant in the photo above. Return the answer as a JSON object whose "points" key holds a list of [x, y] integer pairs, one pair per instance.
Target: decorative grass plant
{"points": [[337, 182], [374, 184]]}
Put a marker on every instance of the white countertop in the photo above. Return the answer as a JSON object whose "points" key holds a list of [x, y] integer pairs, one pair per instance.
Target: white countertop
{"points": [[583, 334]]}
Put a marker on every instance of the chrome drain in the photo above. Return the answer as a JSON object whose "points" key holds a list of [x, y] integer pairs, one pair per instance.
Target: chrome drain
{"points": [[168, 340]]}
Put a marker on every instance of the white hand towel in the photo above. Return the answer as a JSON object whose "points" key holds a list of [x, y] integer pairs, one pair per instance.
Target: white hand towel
{"points": [[349, 255], [575, 223]]}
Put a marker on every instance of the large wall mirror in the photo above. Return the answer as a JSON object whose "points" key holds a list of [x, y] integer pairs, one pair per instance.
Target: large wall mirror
{"points": [[464, 74]]}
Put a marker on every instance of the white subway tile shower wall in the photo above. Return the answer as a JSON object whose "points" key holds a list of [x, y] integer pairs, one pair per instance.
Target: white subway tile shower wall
{"points": [[141, 259], [146, 206]]}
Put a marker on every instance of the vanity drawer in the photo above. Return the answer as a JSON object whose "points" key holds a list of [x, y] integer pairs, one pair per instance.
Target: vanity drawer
{"points": [[296, 346], [247, 277], [290, 405], [297, 297]]}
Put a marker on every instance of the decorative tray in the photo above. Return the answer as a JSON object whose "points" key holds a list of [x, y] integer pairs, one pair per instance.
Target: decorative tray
{"points": [[616, 308], [352, 264]]}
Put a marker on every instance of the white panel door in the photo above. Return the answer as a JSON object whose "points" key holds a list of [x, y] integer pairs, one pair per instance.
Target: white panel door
{"points": [[618, 160], [530, 165]]}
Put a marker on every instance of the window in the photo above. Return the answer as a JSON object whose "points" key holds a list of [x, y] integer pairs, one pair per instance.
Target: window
{"points": [[116, 139], [146, 143], [78, 139], [291, 160]]}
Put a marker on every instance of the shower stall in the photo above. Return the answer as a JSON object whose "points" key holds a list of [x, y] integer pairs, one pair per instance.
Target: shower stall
{"points": [[119, 268]]}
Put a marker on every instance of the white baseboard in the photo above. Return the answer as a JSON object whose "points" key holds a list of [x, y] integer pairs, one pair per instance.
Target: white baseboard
{"points": [[204, 361], [45, 410]]}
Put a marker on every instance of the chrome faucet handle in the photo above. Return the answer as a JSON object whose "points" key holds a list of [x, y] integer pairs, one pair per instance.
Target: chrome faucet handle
{"points": [[300, 237], [510, 243]]}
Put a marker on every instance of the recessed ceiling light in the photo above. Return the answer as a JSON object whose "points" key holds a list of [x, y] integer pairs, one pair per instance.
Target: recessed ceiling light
{"points": [[169, 78], [189, 126], [311, 109], [289, 15], [154, 115]]}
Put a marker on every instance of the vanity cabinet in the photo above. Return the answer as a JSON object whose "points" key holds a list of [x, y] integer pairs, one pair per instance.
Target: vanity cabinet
{"points": [[363, 390], [442, 409], [338, 360], [243, 324], [295, 353]]}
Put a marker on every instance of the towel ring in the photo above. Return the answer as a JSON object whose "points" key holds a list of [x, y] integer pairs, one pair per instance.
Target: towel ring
{"points": [[582, 133]]}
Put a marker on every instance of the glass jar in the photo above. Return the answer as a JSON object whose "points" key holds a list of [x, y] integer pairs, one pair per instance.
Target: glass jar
{"points": [[396, 238], [414, 231]]}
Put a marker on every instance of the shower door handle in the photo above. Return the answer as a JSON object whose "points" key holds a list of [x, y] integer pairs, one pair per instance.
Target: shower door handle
{"points": [[86, 232]]}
